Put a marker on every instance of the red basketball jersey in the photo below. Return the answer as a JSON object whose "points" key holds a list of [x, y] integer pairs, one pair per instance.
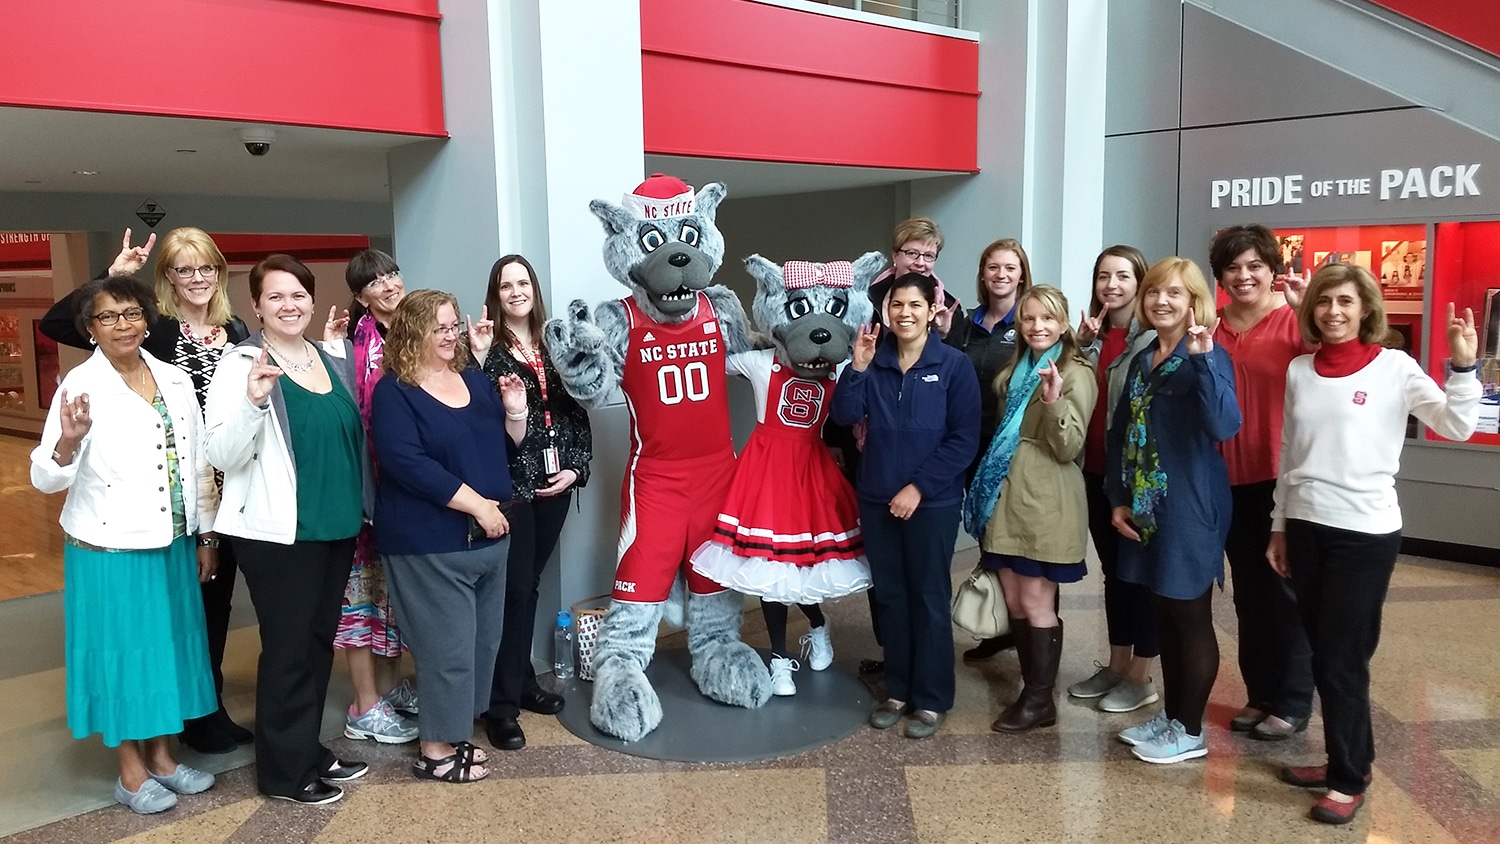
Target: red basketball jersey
{"points": [[675, 385]]}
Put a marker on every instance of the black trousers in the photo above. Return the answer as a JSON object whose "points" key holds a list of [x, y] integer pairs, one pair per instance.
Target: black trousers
{"points": [[297, 590], [909, 564], [534, 528], [1275, 658], [1341, 578], [217, 595], [1128, 614]]}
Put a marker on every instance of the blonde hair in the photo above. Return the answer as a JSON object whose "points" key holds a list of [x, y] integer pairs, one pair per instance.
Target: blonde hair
{"points": [[917, 228], [1057, 306], [1161, 274], [1373, 327], [177, 243], [411, 326]]}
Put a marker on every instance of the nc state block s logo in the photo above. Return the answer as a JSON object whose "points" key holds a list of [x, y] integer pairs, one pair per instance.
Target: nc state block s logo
{"points": [[1359, 396], [801, 403]]}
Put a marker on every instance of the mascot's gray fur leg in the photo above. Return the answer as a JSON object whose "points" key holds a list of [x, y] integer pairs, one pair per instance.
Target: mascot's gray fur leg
{"points": [[625, 706], [725, 668]]}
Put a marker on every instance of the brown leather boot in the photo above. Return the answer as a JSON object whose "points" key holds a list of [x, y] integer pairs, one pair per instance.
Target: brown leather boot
{"points": [[1042, 651]]}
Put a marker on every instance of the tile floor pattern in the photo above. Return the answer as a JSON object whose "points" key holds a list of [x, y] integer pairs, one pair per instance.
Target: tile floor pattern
{"points": [[1437, 722]]}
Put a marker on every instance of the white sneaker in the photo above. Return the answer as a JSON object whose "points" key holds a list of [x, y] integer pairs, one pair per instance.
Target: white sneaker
{"points": [[781, 676], [817, 648]]}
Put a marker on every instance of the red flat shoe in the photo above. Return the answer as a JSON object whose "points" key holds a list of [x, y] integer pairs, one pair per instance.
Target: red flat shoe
{"points": [[1330, 811], [1305, 776]]}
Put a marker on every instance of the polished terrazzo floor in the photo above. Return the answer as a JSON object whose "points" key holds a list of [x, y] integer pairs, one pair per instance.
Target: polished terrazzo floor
{"points": [[1437, 721]]}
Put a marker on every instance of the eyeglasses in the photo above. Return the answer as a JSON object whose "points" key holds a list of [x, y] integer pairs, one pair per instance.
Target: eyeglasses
{"points": [[383, 280], [185, 273], [446, 329], [130, 314], [914, 255]]}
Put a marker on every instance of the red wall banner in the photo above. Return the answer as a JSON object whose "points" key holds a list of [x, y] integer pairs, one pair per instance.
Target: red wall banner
{"points": [[1474, 21], [738, 79], [349, 64]]}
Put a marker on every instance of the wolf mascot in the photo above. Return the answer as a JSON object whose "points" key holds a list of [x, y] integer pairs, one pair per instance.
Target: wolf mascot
{"points": [[664, 346], [789, 528]]}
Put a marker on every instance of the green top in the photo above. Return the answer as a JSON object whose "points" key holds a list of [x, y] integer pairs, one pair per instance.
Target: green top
{"points": [[174, 471], [327, 441]]}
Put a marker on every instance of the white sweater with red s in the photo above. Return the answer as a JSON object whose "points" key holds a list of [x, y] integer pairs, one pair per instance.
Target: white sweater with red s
{"points": [[1341, 439]]}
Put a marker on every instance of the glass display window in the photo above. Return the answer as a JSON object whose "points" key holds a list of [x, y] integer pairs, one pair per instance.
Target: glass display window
{"points": [[1466, 272]]}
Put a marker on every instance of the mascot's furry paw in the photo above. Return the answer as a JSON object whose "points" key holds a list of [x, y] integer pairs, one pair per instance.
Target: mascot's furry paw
{"points": [[625, 706], [582, 353], [726, 669]]}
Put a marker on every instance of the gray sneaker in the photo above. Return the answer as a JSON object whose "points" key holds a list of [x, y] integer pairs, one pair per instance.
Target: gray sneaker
{"points": [[382, 724], [1142, 733], [1129, 696], [1102, 683], [185, 780], [152, 797], [402, 698]]}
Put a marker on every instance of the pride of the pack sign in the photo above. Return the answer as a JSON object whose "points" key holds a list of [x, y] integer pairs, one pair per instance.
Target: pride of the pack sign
{"points": [[1439, 182]]}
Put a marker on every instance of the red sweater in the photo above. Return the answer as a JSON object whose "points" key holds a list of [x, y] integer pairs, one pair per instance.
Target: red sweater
{"points": [[1261, 356]]}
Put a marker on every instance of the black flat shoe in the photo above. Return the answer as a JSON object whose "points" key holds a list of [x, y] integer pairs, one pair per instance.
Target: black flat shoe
{"points": [[227, 726], [317, 794], [989, 647], [541, 702], [205, 736], [868, 667], [345, 771], [504, 733]]}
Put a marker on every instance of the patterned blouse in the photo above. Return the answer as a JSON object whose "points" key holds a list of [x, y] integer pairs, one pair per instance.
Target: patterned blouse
{"points": [[570, 423]]}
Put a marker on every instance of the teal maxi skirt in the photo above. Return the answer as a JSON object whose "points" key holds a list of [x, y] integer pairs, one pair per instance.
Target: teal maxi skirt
{"points": [[136, 649]]}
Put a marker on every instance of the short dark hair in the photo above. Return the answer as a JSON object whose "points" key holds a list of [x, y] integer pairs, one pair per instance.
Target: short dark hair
{"points": [[283, 263], [1373, 326], [122, 288], [924, 283], [363, 269], [1235, 240]]}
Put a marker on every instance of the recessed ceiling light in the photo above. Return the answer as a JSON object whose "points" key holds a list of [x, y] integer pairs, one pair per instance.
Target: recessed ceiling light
{"points": [[85, 172], [187, 150]]}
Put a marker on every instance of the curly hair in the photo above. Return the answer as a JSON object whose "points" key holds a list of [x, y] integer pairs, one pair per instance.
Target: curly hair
{"points": [[411, 327], [1234, 241], [121, 288]]}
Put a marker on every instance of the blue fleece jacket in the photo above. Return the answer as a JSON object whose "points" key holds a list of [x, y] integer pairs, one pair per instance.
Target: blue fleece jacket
{"points": [[923, 424]]}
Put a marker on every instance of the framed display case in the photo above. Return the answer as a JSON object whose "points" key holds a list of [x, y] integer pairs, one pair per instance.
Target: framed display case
{"points": [[1466, 272]]}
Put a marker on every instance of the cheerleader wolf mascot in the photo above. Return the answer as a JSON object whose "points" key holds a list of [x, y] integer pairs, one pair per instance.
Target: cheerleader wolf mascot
{"points": [[789, 528], [664, 346]]}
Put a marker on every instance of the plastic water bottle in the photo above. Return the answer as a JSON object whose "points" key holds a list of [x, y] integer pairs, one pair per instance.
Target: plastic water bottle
{"points": [[562, 646]]}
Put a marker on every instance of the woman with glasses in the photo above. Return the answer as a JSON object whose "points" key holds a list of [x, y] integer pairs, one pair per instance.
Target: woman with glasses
{"points": [[367, 632], [140, 497], [191, 330], [444, 435], [284, 428]]}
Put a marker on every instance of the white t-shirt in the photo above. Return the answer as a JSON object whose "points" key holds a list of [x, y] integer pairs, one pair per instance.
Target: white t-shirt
{"points": [[1342, 438]]}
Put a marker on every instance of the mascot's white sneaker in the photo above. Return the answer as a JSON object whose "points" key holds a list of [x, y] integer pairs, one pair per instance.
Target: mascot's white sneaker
{"points": [[817, 647], [781, 676]]}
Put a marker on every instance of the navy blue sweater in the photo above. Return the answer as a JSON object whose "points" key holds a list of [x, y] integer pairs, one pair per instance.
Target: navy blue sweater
{"points": [[923, 424], [425, 450]]}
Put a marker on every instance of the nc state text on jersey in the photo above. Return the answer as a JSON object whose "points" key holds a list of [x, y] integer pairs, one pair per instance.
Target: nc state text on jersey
{"points": [[680, 351]]}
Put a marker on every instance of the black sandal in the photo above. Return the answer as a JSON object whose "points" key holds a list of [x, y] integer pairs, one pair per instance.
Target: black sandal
{"points": [[471, 751], [461, 770]]}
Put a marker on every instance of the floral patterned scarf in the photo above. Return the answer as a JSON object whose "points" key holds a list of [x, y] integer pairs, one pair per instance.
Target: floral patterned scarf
{"points": [[369, 363], [1143, 474]]}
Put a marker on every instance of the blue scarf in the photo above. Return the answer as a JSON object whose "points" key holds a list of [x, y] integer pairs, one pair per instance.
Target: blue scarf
{"points": [[985, 491]]}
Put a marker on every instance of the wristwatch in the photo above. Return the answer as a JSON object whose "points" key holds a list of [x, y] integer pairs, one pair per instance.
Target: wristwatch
{"points": [[208, 542], [1470, 368]]}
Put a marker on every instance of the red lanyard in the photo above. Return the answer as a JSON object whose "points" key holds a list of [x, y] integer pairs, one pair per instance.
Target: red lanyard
{"points": [[539, 368]]}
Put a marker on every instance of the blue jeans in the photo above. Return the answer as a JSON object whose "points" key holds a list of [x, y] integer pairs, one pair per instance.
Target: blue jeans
{"points": [[909, 565]]}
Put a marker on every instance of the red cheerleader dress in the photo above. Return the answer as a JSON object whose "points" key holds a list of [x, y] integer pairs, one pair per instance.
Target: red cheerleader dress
{"points": [[789, 528]]}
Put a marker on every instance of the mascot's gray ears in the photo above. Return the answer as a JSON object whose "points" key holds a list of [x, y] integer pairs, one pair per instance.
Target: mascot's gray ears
{"points": [[616, 219], [866, 267], [767, 275], [706, 200]]}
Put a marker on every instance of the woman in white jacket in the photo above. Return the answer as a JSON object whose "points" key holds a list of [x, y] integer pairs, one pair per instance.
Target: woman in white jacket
{"points": [[1336, 524], [284, 428], [139, 493]]}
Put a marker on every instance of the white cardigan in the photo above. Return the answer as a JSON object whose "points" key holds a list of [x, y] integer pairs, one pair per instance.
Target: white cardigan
{"points": [[1341, 439], [251, 446], [117, 482]]}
